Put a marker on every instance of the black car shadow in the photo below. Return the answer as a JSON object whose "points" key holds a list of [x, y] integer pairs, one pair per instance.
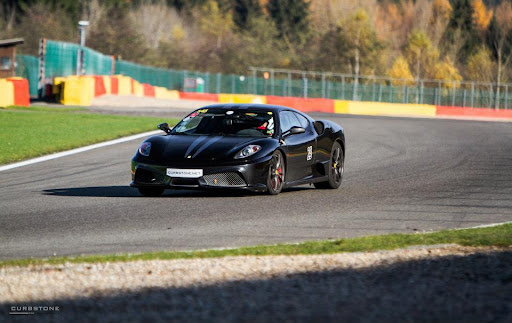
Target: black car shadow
{"points": [[127, 191]]}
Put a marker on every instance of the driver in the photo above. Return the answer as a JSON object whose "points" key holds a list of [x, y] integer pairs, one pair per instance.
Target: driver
{"points": [[267, 127]]}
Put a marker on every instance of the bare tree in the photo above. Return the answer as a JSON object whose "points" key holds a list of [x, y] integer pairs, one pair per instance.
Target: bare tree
{"points": [[499, 39], [156, 22]]}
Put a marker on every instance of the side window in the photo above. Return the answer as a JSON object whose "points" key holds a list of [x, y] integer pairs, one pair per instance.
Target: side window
{"points": [[304, 123], [288, 121]]}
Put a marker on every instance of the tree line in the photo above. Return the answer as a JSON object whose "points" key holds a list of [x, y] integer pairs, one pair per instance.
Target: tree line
{"points": [[405, 39]]}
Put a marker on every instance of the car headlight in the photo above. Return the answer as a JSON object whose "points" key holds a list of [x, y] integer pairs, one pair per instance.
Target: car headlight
{"points": [[248, 151], [145, 148]]}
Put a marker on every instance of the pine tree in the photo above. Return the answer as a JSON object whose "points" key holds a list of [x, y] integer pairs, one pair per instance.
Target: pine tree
{"points": [[244, 11], [461, 31], [291, 18]]}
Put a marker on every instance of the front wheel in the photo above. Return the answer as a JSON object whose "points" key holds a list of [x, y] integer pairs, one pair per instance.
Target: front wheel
{"points": [[336, 168], [151, 191], [276, 174]]}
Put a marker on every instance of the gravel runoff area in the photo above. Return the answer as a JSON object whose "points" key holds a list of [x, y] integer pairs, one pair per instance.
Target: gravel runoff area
{"points": [[426, 284]]}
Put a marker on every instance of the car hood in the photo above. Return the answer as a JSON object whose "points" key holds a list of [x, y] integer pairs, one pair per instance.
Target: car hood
{"points": [[194, 149]]}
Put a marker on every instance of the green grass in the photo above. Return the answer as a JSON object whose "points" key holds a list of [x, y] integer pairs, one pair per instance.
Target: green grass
{"points": [[500, 236], [27, 132]]}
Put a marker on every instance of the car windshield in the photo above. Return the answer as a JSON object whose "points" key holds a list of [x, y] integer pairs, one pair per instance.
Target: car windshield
{"points": [[224, 122]]}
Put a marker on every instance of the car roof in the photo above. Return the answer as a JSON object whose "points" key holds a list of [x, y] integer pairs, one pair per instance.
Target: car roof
{"points": [[243, 106]]}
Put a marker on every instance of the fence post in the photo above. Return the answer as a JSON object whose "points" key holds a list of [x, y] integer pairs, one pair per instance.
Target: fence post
{"points": [[185, 75], [472, 94], [305, 82], [422, 88], [41, 68], [491, 99], [453, 93], [380, 92], [506, 96], [373, 89], [403, 90], [464, 98], [289, 84], [254, 84], [354, 88], [497, 98], [323, 85], [233, 84], [343, 87], [440, 93], [272, 83], [218, 83], [391, 92], [207, 82]]}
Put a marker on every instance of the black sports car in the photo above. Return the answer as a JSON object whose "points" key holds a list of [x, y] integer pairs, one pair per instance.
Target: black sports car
{"points": [[254, 147]]}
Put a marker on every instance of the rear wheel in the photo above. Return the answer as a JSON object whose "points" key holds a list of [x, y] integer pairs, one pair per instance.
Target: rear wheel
{"points": [[336, 168], [276, 174], [151, 191]]}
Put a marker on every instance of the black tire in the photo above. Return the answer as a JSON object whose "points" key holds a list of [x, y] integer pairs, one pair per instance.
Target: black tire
{"points": [[336, 168], [276, 174], [151, 191]]}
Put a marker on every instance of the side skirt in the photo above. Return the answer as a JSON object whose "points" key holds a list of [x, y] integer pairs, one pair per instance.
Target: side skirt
{"points": [[306, 180]]}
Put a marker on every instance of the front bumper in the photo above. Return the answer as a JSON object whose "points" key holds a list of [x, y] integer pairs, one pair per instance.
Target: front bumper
{"points": [[252, 177]]}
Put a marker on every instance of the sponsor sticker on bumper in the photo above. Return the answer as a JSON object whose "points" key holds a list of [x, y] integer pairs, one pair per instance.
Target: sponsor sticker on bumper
{"points": [[184, 173]]}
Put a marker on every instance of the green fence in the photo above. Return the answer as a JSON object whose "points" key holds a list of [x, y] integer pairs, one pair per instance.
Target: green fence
{"points": [[175, 79], [269, 81], [61, 60], [28, 67], [152, 75]]}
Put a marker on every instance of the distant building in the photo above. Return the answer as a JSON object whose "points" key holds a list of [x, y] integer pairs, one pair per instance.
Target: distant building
{"points": [[8, 56]]}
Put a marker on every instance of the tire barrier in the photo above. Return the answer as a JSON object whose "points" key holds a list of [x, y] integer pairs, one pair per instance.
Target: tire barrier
{"points": [[242, 98], [149, 90], [124, 85], [14, 91], [80, 90], [99, 86], [6, 93], [199, 96], [107, 81], [137, 88], [473, 112], [163, 93], [384, 109], [303, 104], [21, 91]]}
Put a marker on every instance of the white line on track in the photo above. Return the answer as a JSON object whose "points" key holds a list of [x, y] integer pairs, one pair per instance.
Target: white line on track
{"points": [[485, 226], [78, 150]]}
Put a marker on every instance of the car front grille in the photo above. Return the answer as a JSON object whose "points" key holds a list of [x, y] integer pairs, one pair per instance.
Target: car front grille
{"points": [[229, 179]]}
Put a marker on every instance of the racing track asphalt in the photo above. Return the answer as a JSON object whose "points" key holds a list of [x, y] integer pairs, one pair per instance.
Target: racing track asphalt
{"points": [[402, 175]]}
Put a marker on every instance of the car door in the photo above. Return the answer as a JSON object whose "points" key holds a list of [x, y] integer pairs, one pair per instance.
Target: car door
{"points": [[299, 148]]}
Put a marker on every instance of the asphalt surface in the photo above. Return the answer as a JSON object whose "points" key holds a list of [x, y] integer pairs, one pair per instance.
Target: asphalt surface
{"points": [[402, 175]]}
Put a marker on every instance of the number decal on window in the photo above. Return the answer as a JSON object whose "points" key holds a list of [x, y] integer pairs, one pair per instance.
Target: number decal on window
{"points": [[310, 152]]}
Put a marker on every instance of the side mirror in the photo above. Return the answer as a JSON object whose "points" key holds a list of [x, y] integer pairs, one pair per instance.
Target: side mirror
{"points": [[297, 130], [293, 131], [164, 127]]}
